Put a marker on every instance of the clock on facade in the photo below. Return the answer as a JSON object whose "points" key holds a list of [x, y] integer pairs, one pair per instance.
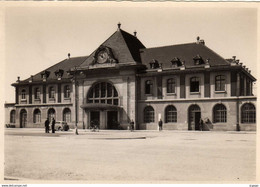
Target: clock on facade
{"points": [[102, 57]]}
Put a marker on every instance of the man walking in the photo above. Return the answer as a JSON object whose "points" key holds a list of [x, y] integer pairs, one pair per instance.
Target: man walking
{"points": [[53, 125], [132, 125], [47, 123], [160, 123]]}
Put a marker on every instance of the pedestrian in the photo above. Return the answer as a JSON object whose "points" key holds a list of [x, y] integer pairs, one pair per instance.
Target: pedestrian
{"points": [[132, 125], [201, 124], [160, 123], [53, 125], [47, 123]]}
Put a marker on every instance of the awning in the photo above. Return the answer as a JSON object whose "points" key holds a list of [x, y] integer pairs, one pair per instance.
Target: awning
{"points": [[99, 106]]}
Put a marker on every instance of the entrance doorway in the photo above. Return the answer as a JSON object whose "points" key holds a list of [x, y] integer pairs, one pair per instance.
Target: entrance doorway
{"points": [[23, 118], [194, 117], [112, 122], [95, 117]]}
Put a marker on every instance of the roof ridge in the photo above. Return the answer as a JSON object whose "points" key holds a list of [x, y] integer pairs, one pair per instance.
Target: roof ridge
{"points": [[171, 45]]}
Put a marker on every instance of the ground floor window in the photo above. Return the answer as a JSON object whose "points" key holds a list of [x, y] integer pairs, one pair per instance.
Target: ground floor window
{"points": [[170, 114], [248, 113], [148, 114], [36, 116], [51, 114], [67, 115], [220, 113]]}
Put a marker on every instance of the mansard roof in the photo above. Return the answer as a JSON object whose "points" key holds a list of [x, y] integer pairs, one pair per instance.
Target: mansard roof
{"points": [[64, 65], [185, 52], [125, 48]]}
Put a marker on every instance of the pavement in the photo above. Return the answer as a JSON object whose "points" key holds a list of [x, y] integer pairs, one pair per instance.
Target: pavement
{"points": [[130, 157]]}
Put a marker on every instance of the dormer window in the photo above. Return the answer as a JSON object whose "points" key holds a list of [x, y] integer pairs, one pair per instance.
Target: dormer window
{"points": [[59, 73], [176, 62], [198, 60], [45, 74], [23, 94], [154, 64]]}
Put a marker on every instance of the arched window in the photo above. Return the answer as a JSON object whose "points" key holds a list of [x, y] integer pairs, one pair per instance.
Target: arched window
{"points": [[194, 84], [37, 93], [171, 85], [66, 91], [219, 113], [51, 92], [67, 115], [36, 116], [248, 113], [103, 92], [148, 87], [148, 114], [23, 94], [51, 114], [12, 116], [220, 82], [170, 114]]}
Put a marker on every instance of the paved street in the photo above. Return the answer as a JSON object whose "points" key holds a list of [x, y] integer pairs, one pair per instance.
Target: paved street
{"points": [[140, 156]]}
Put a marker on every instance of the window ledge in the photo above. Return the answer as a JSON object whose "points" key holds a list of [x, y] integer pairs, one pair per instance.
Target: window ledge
{"points": [[222, 91], [171, 94], [194, 93], [23, 99], [51, 99], [148, 94], [37, 99], [67, 98]]}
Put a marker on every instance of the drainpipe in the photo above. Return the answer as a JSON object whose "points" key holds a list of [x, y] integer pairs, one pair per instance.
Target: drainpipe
{"points": [[76, 102], [237, 102]]}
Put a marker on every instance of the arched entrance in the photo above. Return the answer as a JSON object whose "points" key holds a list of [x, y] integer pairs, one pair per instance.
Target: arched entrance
{"points": [[194, 116], [51, 114], [102, 105], [23, 118]]}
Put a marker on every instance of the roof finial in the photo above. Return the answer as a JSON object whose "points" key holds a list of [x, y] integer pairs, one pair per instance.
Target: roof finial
{"points": [[68, 55], [135, 33], [198, 39], [119, 25]]}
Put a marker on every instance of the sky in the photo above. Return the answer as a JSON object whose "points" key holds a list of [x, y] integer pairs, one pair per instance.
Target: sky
{"points": [[37, 37]]}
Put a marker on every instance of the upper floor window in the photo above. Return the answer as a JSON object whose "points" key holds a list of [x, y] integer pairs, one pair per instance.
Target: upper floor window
{"points": [[170, 114], [51, 92], [148, 87], [148, 114], [220, 82], [67, 91], [103, 92], [23, 94], [37, 93], [171, 84], [220, 113], [12, 116], [194, 84], [248, 113]]}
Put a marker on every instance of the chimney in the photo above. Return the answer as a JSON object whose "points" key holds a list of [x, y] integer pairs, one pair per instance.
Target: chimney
{"points": [[18, 79], [68, 55], [198, 39], [31, 78], [119, 25], [135, 34], [234, 58]]}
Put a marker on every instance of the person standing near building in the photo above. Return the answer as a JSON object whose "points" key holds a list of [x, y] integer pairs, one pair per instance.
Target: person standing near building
{"points": [[160, 123], [47, 123], [132, 124], [53, 125]]}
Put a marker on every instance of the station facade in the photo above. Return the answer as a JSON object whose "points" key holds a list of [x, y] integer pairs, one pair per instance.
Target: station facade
{"points": [[122, 80]]}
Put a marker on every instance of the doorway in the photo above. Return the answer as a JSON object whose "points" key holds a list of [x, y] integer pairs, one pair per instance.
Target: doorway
{"points": [[95, 117], [194, 117], [23, 118], [112, 120]]}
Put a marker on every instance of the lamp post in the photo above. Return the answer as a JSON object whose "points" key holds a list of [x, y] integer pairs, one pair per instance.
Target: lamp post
{"points": [[74, 74]]}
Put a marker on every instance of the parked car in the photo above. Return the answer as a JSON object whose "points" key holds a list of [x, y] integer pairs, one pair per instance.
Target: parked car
{"points": [[61, 126]]}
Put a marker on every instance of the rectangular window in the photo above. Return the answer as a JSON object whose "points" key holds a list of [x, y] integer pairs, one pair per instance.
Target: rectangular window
{"points": [[194, 84]]}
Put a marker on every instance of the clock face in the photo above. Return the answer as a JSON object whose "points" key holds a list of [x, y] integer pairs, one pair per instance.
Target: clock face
{"points": [[102, 57]]}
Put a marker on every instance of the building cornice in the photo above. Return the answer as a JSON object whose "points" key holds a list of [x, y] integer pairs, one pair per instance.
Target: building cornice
{"points": [[254, 98], [44, 105]]}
